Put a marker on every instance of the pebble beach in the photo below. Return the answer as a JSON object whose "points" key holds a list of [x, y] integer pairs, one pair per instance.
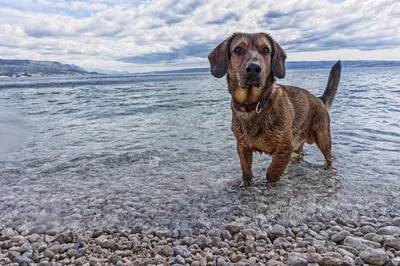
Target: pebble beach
{"points": [[340, 241]]}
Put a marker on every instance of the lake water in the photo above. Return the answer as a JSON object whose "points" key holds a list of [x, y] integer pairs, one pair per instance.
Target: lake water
{"points": [[158, 150]]}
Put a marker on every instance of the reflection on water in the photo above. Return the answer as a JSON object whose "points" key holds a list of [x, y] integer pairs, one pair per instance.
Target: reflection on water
{"points": [[159, 150]]}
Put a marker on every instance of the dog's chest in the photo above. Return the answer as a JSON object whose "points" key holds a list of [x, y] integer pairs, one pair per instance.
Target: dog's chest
{"points": [[254, 136]]}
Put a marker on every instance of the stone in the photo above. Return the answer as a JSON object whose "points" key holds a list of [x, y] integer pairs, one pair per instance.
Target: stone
{"points": [[344, 253], [80, 252], [114, 259], [71, 252], [25, 247], [331, 261], [394, 243], [165, 251], [226, 235], [201, 241], [179, 260], [220, 261], [214, 233], [93, 261], [395, 262], [396, 221], [49, 254], [314, 257], [278, 231], [103, 242], [181, 251], [22, 261], [389, 230], [357, 242], [186, 232], [250, 247], [49, 239], [296, 259], [163, 233], [12, 254], [374, 256], [6, 234], [234, 228], [42, 247], [273, 262], [348, 261], [34, 238], [281, 242], [186, 240], [340, 236], [366, 229], [17, 239], [98, 250]]}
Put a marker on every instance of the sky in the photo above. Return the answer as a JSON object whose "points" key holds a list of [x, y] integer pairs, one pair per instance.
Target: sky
{"points": [[152, 35]]}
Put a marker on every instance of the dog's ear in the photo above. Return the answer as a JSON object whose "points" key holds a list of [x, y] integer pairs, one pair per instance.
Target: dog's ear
{"points": [[219, 59], [278, 61]]}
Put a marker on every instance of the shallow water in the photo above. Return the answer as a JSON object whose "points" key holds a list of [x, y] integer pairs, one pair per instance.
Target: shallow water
{"points": [[158, 150]]}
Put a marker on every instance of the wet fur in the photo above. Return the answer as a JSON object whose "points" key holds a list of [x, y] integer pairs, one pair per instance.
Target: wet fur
{"points": [[290, 118]]}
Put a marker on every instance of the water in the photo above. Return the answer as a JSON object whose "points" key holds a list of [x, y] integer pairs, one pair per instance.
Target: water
{"points": [[158, 150]]}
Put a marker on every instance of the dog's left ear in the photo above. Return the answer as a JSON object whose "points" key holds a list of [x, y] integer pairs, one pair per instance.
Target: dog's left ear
{"points": [[219, 60], [278, 60]]}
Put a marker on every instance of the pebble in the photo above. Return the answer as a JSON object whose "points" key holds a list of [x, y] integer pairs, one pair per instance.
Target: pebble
{"points": [[234, 228], [278, 231], [201, 241], [368, 241], [389, 230], [340, 236], [181, 251], [296, 259], [374, 256]]}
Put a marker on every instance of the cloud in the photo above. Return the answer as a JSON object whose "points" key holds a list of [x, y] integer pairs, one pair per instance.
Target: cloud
{"points": [[227, 17], [136, 35]]}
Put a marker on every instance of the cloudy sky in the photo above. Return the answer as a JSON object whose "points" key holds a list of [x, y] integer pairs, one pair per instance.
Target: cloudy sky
{"points": [[150, 35]]}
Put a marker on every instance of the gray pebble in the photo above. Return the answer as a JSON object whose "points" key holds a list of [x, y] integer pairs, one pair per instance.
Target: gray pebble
{"points": [[296, 259], [374, 256]]}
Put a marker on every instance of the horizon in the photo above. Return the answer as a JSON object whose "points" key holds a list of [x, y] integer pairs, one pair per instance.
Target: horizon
{"points": [[155, 35]]}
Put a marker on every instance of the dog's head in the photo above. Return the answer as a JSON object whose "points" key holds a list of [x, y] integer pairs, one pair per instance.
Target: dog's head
{"points": [[249, 59]]}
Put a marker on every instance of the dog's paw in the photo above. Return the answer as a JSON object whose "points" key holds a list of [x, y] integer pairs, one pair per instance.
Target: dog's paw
{"points": [[242, 183]]}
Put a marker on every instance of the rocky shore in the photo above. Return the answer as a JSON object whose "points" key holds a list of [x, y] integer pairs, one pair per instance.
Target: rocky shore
{"points": [[340, 241]]}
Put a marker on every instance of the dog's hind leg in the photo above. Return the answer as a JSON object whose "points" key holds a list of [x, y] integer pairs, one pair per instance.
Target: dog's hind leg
{"points": [[324, 144]]}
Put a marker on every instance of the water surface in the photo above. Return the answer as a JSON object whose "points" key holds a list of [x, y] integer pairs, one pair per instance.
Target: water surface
{"points": [[158, 149]]}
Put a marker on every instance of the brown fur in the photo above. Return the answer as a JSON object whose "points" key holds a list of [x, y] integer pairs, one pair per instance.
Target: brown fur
{"points": [[291, 117]]}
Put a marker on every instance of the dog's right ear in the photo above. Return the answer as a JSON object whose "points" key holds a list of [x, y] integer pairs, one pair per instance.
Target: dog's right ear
{"points": [[219, 59]]}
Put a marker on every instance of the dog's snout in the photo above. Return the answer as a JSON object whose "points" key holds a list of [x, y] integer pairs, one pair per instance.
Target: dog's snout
{"points": [[253, 70]]}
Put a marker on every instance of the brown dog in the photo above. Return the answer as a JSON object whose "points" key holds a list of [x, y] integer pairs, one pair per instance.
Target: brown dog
{"points": [[269, 117]]}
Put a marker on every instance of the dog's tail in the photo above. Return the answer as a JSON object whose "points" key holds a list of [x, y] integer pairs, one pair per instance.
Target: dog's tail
{"points": [[332, 86]]}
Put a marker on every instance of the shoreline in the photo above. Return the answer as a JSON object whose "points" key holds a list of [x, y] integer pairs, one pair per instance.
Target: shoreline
{"points": [[340, 241]]}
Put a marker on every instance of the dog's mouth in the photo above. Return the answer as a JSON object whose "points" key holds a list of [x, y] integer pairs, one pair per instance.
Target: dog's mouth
{"points": [[249, 83]]}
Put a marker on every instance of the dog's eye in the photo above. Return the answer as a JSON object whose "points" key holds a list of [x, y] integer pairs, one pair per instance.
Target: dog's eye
{"points": [[265, 50], [238, 50]]}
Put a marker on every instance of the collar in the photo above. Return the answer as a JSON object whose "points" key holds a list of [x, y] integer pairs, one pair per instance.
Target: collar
{"points": [[254, 106]]}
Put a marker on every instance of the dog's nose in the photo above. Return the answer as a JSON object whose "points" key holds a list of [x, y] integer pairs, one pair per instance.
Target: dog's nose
{"points": [[253, 70]]}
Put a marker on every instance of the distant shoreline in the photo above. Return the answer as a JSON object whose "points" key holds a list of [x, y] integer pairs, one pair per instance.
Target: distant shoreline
{"points": [[28, 68]]}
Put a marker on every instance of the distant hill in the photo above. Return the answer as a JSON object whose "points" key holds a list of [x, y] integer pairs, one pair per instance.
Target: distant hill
{"points": [[302, 65], [27, 68]]}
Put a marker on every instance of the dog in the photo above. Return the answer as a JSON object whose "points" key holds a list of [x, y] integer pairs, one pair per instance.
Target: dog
{"points": [[268, 117]]}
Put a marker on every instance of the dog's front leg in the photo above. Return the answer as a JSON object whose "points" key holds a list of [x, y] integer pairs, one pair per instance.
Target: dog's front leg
{"points": [[278, 165], [246, 160]]}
